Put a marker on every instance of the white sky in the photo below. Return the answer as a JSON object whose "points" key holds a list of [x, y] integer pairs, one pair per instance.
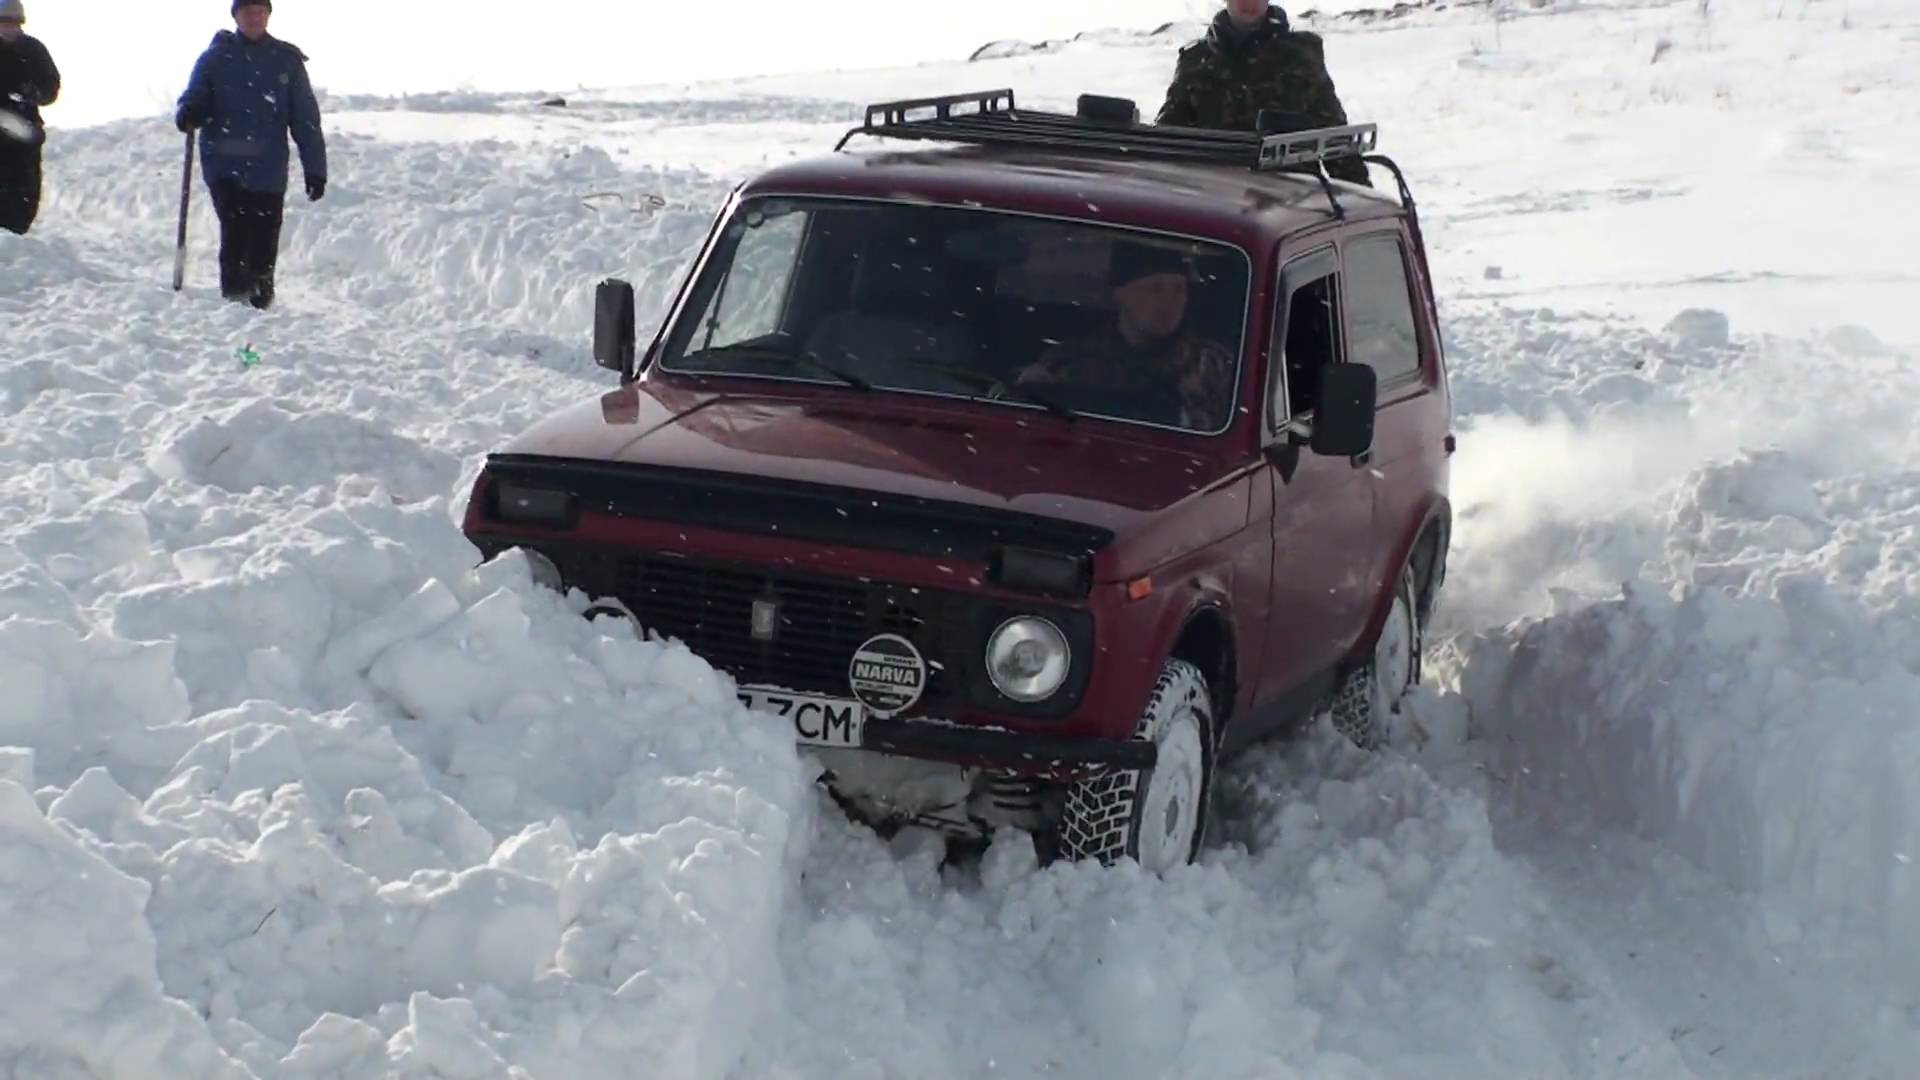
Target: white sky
{"points": [[131, 57]]}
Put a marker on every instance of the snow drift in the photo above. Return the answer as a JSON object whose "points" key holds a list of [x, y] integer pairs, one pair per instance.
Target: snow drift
{"points": [[290, 787]]}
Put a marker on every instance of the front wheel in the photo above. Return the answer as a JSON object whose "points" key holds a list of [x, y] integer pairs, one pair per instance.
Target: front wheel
{"points": [[1156, 816], [1367, 706]]}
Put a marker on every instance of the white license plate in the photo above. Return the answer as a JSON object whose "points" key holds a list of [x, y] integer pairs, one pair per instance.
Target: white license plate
{"points": [[817, 720]]}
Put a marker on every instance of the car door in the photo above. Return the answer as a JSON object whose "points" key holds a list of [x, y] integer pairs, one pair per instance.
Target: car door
{"points": [[1384, 330], [1322, 506]]}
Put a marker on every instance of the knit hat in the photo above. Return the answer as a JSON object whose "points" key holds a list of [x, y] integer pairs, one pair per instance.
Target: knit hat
{"points": [[1133, 260], [14, 10], [237, 4]]}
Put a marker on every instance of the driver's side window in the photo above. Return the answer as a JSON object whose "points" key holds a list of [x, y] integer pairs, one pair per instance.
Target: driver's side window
{"points": [[1306, 333]]}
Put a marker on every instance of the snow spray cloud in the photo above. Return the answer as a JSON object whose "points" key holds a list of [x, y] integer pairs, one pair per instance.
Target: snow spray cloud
{"points": [[1575, 490]]}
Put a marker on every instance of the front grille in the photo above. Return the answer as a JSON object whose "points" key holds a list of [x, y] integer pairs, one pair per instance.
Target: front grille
{"points": [[821, 621]]}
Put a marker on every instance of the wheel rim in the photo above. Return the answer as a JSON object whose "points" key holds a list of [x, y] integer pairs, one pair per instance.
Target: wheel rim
{"points": [[1393, 655], [1170, 808]]}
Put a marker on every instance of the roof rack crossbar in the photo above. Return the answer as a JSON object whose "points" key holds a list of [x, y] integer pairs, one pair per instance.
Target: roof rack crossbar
{"points": [[1291, 148], [892, 115], [1020, 129], [1029, 129], [895, 112], [1241, 146]]}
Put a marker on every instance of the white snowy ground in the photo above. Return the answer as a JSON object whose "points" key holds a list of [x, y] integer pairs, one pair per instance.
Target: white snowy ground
{"points": [[293, 790]]}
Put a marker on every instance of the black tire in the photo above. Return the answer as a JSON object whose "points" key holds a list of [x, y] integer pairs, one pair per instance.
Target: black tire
{"points": [[1364, 707], [1114, 815]]}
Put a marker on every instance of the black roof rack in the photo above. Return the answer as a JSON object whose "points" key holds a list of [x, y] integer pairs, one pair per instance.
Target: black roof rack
{"points": [[990, 117]]}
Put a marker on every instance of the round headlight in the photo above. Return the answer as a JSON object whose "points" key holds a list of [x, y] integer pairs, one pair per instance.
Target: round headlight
{"points": [[1028, 658]]}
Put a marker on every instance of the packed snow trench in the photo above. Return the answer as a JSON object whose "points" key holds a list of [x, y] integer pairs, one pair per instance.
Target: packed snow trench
{"points": [[290, 787]]}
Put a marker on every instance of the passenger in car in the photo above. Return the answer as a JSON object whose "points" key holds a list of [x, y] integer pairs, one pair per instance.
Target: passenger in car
{"points": [[1164, 372]]}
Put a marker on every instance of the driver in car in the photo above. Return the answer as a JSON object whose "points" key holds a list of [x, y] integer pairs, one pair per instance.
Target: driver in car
{"points": [[1168, 374]]}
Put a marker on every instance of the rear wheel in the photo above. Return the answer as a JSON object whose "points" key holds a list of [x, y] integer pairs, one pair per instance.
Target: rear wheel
{"points": [[1156, 816], [1367, 706]]}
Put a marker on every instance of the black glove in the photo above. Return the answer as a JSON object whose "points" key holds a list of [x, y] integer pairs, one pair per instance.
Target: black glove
{"points": [[189, 120], [316, 187]]}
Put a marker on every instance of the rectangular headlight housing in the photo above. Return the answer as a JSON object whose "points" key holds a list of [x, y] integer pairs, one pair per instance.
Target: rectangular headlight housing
{"points": [[521, 504], [1045, 572]]}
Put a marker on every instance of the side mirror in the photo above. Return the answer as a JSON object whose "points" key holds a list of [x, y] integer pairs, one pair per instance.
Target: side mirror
{"points": [[613, 334], [1343, 410]]}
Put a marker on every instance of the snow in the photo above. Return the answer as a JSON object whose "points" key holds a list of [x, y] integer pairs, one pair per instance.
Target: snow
{"points": [[290, 787], [482, 46]]}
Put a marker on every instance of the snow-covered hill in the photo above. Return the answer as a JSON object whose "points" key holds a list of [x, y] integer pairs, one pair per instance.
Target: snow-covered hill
{"points": [[290, 788]]}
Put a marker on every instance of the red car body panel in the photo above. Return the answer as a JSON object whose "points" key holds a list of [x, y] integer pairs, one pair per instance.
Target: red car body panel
{"points": [[1220, 202], [1111, 475]]}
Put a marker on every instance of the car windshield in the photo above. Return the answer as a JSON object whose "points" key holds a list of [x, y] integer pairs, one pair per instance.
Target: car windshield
{"points": [[1077, 318]]}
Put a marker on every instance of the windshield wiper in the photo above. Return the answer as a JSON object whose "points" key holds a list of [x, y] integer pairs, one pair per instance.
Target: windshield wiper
{"points": [[847, 377], [766, 352], [1030, 396], [995, 388]]}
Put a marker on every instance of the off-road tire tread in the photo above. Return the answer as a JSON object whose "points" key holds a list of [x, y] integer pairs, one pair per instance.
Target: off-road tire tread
{"points": [[1099, 818], [1353, 701]]}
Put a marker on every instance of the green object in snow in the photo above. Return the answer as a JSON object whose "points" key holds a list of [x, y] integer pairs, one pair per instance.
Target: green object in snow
{"points": [[246, 355]]}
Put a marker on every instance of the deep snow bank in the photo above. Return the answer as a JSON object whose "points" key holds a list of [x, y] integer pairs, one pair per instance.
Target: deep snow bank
{"points": [[1721, 726], [547, 843], [1723, 539], [456, 222], [326, 799]]}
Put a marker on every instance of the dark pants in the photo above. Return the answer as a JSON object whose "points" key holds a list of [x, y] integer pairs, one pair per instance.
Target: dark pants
{"points": [[249, 240], [19, 190]]}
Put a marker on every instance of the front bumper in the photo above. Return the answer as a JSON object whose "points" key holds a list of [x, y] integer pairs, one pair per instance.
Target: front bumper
{"points": [[1014, 751]]}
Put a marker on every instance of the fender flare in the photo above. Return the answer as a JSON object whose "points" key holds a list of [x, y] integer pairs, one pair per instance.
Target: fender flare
{"points": [[1198, 600], [1438, 514]]}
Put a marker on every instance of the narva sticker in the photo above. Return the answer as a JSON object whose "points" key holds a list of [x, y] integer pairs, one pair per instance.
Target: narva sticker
{"points": [[888, 674]]}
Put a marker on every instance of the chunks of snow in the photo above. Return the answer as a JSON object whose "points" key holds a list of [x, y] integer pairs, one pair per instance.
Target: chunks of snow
{"points": [[1700, 328], [80, 993]]}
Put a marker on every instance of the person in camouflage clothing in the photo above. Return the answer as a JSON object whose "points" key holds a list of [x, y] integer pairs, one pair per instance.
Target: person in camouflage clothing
{"points": [[1252, 60], [1147, 363]]}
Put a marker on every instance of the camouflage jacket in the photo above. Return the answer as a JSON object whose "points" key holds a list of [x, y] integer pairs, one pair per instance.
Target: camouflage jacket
{"points": [[1226, 78], [1185, 381]]}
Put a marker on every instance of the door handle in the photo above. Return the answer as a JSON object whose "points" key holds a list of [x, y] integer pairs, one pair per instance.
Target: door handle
{"points": [[1362, 459]]}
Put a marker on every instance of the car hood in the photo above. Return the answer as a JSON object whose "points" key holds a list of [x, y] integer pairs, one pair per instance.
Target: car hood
{"points": [[1001, 457]]}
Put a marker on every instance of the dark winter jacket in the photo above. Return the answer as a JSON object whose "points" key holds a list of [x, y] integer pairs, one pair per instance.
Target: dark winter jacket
{"points": [[1225, 79], [28, 80], [246, 97]]}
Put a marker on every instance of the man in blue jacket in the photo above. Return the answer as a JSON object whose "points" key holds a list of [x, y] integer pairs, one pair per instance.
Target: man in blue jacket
{"points": [[248, 91], [28, 80]]}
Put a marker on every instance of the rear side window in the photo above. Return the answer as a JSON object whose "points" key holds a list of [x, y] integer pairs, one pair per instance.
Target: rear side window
{"points": [[1380, 328]]}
